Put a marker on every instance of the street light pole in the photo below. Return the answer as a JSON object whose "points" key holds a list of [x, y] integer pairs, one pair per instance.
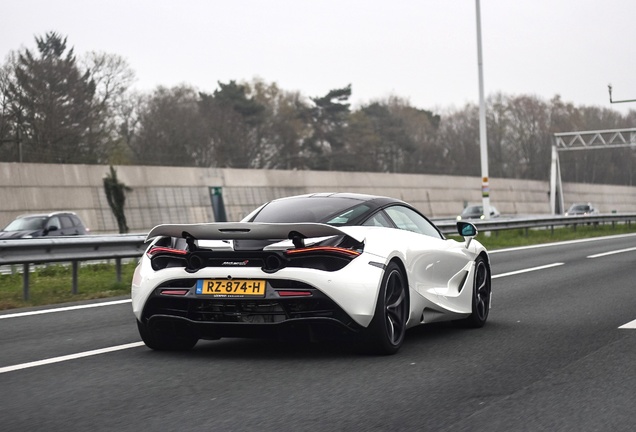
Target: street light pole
{"points": [[483, 141]]}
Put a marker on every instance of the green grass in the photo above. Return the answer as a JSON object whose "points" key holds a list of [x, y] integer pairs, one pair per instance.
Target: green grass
{"points": [[53, 284]]}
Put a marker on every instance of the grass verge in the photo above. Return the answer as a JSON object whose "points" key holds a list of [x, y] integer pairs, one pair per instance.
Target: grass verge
{"points": [[52, 284], [523, 237]]}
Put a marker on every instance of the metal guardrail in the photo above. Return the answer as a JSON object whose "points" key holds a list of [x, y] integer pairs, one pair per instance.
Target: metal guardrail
{"points": [[69, 249], [503, 223], [117, 247]]}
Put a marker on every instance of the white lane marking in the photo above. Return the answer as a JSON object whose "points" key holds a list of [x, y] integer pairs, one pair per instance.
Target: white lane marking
{"points": [[526, 270], [631, 324], [64, 309], [612, 252], [69, 357]]}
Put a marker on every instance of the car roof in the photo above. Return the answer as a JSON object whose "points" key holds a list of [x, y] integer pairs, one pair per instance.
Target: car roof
{"points": [[375, 201], [358, 196], [55, 213]]}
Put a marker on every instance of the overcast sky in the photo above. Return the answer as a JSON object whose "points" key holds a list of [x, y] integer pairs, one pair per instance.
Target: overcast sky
{"points": [[421, 50]]}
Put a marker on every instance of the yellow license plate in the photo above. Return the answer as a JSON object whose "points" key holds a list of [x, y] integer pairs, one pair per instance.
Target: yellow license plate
{"points": [[231, 287]]}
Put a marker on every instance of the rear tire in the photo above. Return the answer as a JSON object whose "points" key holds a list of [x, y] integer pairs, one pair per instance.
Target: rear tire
{"points": [[386, 332], [481, 295], [171, 340]]}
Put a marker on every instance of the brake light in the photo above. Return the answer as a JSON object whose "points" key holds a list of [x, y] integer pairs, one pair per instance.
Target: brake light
{"points": [[162, 249], [324, 249]]}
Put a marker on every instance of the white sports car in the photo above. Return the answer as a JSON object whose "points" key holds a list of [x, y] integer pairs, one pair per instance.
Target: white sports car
{"points": [[317, 266]]}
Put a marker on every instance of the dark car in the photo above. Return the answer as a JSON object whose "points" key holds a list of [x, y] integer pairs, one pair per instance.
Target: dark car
{"points": [[581, 209], [44, 225], [476, 211]]}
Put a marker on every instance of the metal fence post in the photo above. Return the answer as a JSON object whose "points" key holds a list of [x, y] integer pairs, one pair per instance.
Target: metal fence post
{"points": [[25, 281], [118, 269], [75, 266]]}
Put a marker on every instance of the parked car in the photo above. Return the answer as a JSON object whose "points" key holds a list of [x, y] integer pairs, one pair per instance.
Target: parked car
{"points": [[476, 211], [54, 224], [319, 265], [581, 209]]}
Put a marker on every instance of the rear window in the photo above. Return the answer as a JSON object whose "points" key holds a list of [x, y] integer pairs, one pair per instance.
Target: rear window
{"points": [[66, 222], [331, 210], [76, 221]]}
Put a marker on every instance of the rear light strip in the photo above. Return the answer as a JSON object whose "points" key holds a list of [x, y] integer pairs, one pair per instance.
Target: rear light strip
{"points": [[327, 249], [161, 249]]}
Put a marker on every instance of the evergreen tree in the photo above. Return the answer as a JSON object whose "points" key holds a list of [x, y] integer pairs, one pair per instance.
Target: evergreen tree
{"points": [[234, 121], [328, 117], [55, 100]]}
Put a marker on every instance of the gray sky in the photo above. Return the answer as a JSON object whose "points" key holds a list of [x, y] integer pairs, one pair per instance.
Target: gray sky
{"points": [[421, 50]]}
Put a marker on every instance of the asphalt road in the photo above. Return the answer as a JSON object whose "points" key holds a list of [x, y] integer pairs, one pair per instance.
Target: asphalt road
{"points": [[551, 358]]}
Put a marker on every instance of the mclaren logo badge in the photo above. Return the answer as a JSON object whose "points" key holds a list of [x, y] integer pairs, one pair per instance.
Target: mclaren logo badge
{"points": [[235, 263]]}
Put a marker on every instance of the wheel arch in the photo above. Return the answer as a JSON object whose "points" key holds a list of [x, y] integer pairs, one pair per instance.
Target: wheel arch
{"points": [[486, 258], [398, 261]]}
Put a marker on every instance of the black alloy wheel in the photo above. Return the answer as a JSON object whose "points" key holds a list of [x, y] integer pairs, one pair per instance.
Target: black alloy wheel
{"points": [[481, 295], [386, 332]]}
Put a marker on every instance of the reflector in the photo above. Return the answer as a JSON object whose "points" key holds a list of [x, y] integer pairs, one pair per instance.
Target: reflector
{"points": [[294, 293], [177, 292]]}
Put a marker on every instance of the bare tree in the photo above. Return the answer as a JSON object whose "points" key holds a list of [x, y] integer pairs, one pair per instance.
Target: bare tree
{"points": [[529, 136], [171, 130], [458, 137], [113, 78], [283, 131]]}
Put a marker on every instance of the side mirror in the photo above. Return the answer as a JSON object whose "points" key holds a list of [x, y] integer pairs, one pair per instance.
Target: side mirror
{"points": [[466, 230], [49, 229]]}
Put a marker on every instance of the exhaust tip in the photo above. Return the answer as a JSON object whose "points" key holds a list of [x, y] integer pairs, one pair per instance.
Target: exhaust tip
{"points": [[272, 264], [195, 263]]}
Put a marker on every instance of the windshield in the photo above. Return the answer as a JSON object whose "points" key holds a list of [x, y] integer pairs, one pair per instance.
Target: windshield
{"points": [[579, 208], [472, 210], [331, 210], [26, 224]]}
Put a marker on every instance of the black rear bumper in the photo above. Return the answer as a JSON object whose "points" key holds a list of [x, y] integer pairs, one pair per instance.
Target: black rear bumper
{"points": [[313, 317], [311, 329]]}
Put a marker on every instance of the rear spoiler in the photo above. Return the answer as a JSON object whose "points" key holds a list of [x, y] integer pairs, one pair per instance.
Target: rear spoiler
{"points": [[248, 231]]}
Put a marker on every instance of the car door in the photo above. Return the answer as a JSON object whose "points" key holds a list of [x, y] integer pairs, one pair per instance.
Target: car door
{"points": [[53, 226], [436, 265]]}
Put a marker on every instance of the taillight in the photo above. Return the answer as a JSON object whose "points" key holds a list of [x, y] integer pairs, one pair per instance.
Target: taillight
{"points": [[323, 250], [327, 258], [162, 249], [162, 257]]}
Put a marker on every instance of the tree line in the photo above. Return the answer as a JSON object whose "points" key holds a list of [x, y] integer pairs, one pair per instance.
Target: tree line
{"points": [[56, 107]]}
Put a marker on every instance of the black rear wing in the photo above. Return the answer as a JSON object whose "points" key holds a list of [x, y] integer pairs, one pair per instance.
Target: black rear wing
{"points": [[247, 231]]}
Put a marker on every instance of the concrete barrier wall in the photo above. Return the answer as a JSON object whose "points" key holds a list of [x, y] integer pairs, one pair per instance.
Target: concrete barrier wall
{"points": [[175, 194]]}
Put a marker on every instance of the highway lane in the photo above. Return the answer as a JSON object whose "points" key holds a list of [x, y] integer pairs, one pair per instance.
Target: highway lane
{"points": [[32, 338], [550, 358]]}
